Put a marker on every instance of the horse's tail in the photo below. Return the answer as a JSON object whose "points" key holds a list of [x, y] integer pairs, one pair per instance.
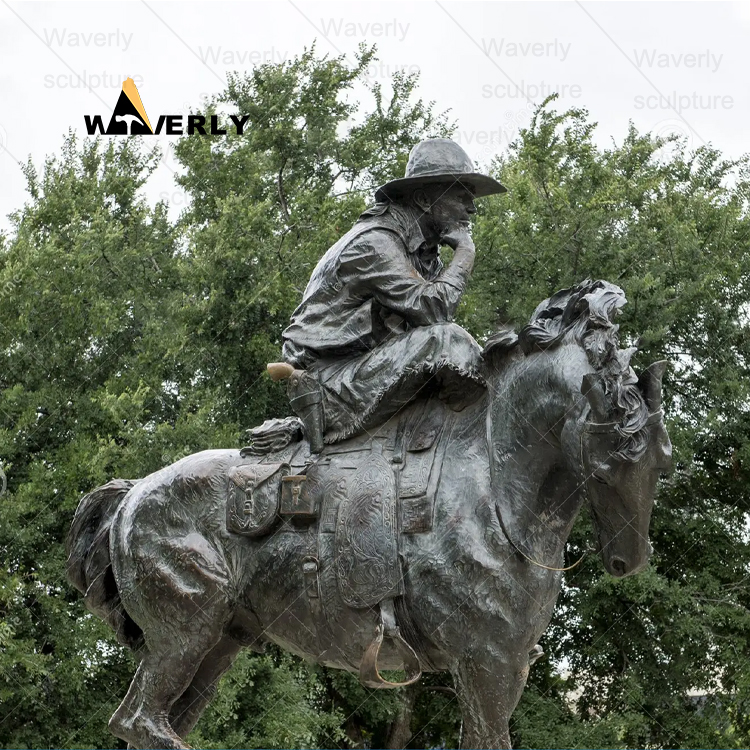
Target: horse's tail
{"points": [[89, 564]]}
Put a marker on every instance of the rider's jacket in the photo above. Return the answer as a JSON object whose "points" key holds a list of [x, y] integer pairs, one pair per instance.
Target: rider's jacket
{"points": [[378, 280]]}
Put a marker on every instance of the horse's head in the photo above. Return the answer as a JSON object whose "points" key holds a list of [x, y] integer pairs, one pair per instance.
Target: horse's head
{"points": [[621, 464], [553, 448]]}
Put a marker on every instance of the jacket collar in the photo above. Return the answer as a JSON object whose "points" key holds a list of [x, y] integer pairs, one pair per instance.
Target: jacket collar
{"points": [[402, 220]]}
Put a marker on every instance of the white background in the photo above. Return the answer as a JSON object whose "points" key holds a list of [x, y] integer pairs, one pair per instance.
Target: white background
{"points": [[606, 57]]}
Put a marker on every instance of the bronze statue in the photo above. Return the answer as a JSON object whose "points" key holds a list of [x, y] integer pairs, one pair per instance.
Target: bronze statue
{"points": [[425, 528], [374, 325]]}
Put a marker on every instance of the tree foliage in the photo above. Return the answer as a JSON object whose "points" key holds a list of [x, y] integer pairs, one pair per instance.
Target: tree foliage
{"points": [[128, 341]]}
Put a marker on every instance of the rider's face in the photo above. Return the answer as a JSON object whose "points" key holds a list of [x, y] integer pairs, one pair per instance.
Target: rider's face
{"points": [[452, 206]]}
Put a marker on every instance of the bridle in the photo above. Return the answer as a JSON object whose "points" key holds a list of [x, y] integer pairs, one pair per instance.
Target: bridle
{"points": [[612, 426], [588, 427], [605, 427]]}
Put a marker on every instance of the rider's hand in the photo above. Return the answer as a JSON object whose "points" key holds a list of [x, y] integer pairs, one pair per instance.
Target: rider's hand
{"points": [[457, 234]]}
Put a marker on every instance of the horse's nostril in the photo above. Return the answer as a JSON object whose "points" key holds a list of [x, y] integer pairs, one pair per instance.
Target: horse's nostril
{"points": [[618, 566]]}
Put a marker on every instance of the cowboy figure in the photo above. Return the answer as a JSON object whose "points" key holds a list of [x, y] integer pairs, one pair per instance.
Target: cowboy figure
{"points": [[374, 326]]}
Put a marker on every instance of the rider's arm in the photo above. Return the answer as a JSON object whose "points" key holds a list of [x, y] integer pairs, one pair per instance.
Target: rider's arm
{"points": [[377, 267]]}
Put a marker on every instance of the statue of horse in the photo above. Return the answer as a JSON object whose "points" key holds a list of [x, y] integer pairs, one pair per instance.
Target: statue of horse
{"points": [[565, 422]]}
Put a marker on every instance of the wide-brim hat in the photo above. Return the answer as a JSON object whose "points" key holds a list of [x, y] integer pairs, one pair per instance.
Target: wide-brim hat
{"points": [[439, 160]]}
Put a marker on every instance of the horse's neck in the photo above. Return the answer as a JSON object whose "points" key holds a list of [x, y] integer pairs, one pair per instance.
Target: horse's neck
{"points": [[535, 492]]}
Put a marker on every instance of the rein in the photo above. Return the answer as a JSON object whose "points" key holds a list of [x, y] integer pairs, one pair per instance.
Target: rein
{"points": [[548, 567], [588, 427], [534, 562]]}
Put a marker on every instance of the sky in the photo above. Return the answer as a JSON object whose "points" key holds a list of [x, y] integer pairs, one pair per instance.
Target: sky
{"points": [[669, 67]]}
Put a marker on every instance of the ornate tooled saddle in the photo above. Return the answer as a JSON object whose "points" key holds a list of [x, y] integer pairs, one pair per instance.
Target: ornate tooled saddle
{"points": [[356, 498]]}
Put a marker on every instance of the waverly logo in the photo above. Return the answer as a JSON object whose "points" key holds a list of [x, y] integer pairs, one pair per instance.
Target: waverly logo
{"points": [[130, 118]]}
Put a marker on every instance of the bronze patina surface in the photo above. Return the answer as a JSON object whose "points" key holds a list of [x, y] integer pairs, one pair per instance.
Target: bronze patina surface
{"points": [[415, 515]]}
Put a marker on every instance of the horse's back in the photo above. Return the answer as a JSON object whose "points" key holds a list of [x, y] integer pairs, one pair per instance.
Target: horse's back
{"points": [[177, 497]]}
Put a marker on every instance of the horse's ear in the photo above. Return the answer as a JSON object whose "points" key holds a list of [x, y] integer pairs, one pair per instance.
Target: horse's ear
{"points": [[593, 388], [624, 356], [649, 382]]}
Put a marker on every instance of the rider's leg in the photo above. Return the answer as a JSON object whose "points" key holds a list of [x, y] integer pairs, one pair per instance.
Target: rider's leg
{"points": [[370, 388]]}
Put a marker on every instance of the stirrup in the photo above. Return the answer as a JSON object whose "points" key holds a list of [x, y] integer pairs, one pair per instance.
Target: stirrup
{"points": [[369, 675]]}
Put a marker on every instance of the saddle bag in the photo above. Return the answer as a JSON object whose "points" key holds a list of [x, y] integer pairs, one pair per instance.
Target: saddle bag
{"points": [[253, 497]]}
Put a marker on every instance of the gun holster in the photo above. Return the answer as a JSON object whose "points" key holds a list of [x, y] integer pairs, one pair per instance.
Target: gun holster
{"points": [[306, 400]]}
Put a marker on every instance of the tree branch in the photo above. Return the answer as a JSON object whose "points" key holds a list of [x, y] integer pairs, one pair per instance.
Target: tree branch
{"points": [[282, 197]]}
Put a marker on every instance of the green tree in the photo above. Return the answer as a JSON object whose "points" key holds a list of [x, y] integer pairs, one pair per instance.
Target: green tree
{"points": [[85, 276]]}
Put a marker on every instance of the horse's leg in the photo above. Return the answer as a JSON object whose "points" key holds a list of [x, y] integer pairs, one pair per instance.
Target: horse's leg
{"points": [[176, 590], [163, 675], [489, 686], [190, 705]]}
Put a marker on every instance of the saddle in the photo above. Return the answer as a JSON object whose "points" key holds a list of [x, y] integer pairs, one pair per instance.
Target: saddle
{"points": [[356, 498]]}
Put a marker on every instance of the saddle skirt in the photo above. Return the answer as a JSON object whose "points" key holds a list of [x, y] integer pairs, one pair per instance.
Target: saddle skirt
{"points": [[353, 500]]}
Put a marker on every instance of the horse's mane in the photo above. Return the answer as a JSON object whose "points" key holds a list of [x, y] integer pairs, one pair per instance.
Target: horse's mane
{"points": [[586, 313]]}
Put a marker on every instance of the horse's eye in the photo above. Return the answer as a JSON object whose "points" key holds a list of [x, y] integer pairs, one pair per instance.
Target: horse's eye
{"points": [[599, 478]]}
